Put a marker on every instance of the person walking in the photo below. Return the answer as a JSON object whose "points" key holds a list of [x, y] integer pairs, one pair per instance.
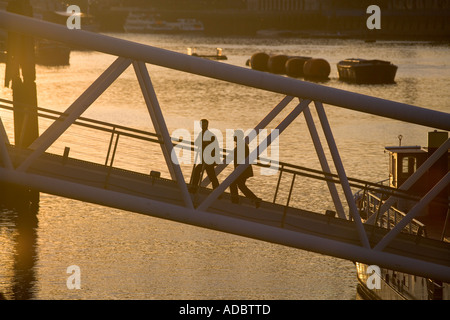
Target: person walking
{"points": [[208, 165], [240, 158]]}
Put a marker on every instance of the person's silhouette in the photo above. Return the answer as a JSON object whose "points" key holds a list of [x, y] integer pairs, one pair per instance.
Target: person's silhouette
{"points": [[240, 157], [207, 165]]}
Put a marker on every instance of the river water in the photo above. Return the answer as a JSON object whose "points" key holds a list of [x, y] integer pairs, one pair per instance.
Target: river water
{"points": [[124, 255]]}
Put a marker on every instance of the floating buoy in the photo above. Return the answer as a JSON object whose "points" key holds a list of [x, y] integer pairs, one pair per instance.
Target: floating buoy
{"points": [[294, 66], [258, 61], [277, 64], [316, 69]]}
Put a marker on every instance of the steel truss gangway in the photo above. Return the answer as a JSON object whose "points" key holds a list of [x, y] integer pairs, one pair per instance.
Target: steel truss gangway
{"points": [[344, 236]]}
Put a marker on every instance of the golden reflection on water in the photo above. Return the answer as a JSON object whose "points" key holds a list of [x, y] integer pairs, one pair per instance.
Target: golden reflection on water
{"points": [[18, 241]]}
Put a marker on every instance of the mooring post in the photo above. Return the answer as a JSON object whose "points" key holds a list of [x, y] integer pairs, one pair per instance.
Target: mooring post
{"points": [[20, 76]]}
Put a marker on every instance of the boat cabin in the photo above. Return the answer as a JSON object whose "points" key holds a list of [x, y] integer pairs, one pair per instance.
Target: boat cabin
{"points": [[403, 162]]}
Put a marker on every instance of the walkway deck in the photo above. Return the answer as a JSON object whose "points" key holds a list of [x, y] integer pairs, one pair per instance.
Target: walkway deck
{"points": [[100, 177]]}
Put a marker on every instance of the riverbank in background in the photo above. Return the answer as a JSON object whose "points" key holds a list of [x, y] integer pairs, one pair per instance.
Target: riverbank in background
{"points": [[339, 22]]}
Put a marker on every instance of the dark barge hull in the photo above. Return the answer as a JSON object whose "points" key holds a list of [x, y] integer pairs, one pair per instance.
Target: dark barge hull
{"points": [[367, 71]]}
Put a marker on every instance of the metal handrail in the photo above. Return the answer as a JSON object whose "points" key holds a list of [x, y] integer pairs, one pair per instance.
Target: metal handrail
{"points": [[282, 167], [371, 204], [86, 122]]}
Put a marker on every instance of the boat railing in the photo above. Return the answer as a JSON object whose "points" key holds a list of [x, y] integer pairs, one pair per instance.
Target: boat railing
{"points": [[370, 204]]}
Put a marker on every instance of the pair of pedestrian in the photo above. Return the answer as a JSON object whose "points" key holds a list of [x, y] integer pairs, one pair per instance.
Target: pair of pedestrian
{"points": [[209, 166]]}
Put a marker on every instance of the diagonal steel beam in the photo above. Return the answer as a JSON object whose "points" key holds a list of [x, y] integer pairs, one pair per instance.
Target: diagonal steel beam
{"points": [[272, 114], [341, 173], [161, 128], [46, 139], [153, 107], [323, 162]]}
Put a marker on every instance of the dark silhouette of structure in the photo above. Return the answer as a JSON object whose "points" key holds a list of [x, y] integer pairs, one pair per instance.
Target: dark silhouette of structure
{"points": [[20, 75]]}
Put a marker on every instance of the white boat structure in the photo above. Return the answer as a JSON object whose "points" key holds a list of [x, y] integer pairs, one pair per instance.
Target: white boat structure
{"points": [[141, 22]]}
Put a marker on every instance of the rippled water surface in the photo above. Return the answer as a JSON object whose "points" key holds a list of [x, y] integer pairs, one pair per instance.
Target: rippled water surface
{"points": [[123, 255]]}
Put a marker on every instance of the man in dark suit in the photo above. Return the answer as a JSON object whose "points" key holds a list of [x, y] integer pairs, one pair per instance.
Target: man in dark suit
{"points": [[240, 157], [208, 166]]}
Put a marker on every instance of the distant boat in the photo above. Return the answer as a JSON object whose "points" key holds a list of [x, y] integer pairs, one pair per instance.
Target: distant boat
{"points": [[366, 71], [217, 56], [187, 25], [140, 22]]}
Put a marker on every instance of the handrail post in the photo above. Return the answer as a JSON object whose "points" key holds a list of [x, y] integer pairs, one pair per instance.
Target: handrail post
{"points": [[110, 145], [290, 190], [388, 219], [288, 201], [112, 160], [278, 183], [445, 224]]}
